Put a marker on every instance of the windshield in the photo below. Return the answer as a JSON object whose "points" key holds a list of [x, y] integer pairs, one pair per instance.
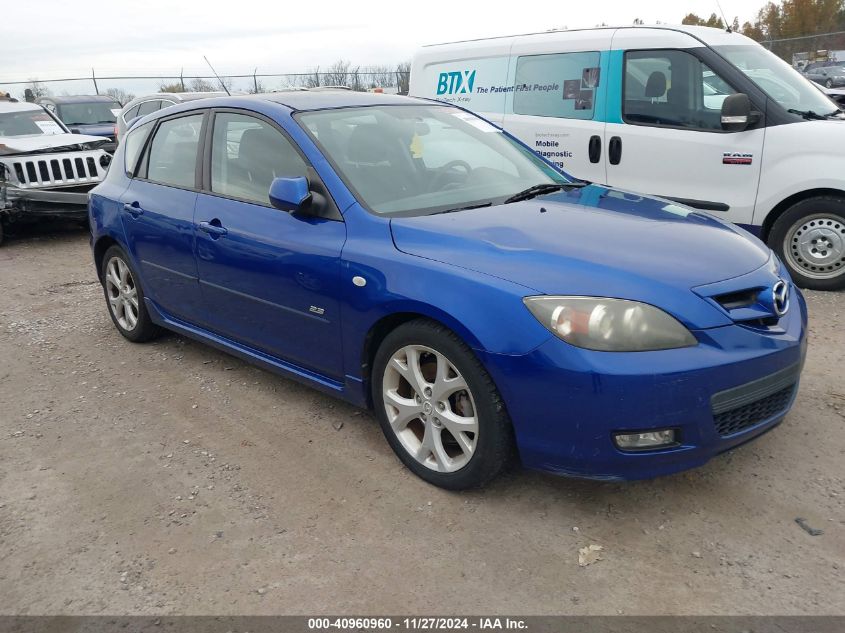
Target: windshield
{"points": [[88, 113], [778, 79], [28, 123], [411, 160]]}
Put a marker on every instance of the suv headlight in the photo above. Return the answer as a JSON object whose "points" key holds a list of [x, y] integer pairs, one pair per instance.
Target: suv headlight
{"points": [[610, 325]]}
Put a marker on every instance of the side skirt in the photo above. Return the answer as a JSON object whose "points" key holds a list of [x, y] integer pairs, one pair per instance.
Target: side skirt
{"points": [[253, 356]]}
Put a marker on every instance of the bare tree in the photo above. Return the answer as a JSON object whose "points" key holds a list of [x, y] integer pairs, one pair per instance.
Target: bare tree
{"points": [[38, 89], [312, 79], [257, 87], [172, 87], [120, 95], [337, 74], [380, 77], [198, 84], [403, 77]]}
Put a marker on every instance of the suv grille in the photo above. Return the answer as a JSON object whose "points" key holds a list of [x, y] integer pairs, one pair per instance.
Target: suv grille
{"points": [[54, 169], [745, 417], [740, 408]]}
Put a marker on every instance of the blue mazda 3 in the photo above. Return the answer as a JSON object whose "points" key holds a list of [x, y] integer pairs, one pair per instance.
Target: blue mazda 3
{"points": [[408, 256]]}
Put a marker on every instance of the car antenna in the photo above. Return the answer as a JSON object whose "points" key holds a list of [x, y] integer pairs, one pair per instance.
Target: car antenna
{"points": [[718, 4], [216, 75]]}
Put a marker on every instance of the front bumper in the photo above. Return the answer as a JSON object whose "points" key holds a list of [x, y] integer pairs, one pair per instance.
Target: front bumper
{"points": [[16, 202], [566, 403]]}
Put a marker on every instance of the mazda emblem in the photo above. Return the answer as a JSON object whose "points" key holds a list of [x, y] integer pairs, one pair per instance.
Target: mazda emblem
{"points": [[780, 297]]}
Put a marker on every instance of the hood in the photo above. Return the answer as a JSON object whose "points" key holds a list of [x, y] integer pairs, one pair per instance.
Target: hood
{"points": [[40, 142], [593, 241], [96, 129]]}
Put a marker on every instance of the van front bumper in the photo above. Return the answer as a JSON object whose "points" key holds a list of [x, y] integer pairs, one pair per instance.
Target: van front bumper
{"points": [[567, 404]]}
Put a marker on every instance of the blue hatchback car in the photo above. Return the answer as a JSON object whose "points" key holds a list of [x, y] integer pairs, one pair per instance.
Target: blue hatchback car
{"points": [[408, 256]]}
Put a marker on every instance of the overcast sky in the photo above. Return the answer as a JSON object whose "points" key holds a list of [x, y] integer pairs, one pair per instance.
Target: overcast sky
{"points": [[57, 38]]}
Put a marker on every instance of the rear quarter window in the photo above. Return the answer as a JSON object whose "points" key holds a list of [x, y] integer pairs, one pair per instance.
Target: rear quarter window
{"points": [[133, 144]]}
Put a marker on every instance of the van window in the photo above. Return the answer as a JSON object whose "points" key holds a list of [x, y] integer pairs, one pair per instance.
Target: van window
{"points": [[559, 85], [673, 89], [173, 152], [247, 154], [134, 143]]}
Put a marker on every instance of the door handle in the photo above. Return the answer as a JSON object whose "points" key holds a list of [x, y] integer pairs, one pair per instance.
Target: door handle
{"points": [[614, 150], [594, 149], [134, 209], [213, 228]]}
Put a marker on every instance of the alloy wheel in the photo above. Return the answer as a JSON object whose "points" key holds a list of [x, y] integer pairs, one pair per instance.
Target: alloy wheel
{"points": [[122, 294], [430, 408]]}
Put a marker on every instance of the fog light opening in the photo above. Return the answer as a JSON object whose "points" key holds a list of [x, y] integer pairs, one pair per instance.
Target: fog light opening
{"points": [[650, 440]]}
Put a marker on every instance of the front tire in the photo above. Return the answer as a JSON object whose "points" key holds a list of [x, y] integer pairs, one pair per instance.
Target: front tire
{"points": [[810, 240], [125, 298], [438, 407], [828, 84]]}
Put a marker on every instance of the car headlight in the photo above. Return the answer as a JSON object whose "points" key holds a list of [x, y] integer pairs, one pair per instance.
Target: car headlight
{"points": [[610, 325]]}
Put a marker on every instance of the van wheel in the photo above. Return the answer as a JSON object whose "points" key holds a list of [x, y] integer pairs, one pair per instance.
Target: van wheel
{"points": [[828, 84], [810, 239], [125, 298], [438, 407]]}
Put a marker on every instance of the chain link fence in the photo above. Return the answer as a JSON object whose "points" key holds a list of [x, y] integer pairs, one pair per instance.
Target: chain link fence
{"points": [[124, 88], [806, 49]]}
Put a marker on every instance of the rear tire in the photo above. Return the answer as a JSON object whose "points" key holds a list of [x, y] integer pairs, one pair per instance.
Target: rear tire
{"points": [[125, 298], [810, 240], [438, 407]]}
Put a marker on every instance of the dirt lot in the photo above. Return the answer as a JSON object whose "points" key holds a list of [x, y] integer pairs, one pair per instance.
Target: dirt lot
{"points": [[171, 478]]}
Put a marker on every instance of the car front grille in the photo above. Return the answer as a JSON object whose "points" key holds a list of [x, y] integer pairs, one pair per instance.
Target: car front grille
{"points": [[745, 406], [52, 170], [745, 417]]}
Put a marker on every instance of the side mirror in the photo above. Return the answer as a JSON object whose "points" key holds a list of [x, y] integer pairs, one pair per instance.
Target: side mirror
{"points": [[737, 114], [290, 194]]}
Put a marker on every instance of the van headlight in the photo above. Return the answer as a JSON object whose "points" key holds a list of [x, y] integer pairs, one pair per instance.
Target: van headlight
{"points": [[610, 325]]}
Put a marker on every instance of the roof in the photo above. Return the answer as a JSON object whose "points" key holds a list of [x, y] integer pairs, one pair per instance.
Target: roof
{"points": [[80, 99], [307, 100], [695, 31], [18, 106]]}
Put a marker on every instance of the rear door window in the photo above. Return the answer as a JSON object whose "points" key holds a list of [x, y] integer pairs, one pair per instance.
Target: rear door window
{"points": [[172, 158]]}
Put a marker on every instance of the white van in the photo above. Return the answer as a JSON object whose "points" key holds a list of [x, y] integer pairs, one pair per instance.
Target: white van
{"points": [[701, 116]]}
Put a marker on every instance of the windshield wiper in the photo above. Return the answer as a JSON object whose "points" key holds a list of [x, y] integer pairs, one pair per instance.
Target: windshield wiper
{"points": [[538, 190], [466, 208], [812, 116]]}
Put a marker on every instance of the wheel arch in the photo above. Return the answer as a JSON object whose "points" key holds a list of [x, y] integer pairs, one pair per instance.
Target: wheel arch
{"points": [[102, 244], [780, 208], [386, 324]]}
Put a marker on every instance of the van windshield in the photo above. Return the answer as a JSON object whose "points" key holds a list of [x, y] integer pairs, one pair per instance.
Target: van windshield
{"points": [[415, 160], [778, 79]]}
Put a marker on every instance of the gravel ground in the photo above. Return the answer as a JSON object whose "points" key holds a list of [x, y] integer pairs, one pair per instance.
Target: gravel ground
{"points": [[170, 478]]}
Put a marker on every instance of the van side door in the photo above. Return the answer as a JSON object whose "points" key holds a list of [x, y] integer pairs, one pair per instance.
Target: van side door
{"points": [[557, 105], [664, 131]]}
